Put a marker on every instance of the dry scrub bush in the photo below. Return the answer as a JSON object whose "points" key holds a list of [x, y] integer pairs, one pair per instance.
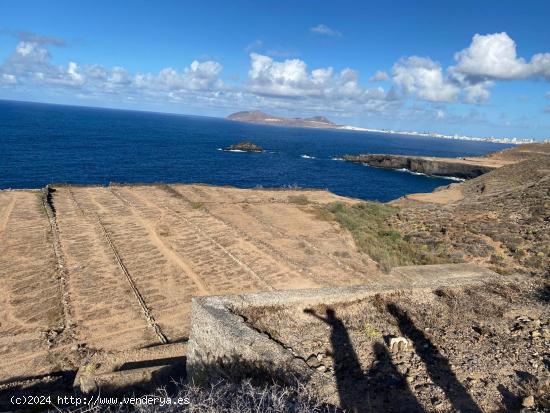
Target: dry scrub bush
{"points": [[230, 397]]}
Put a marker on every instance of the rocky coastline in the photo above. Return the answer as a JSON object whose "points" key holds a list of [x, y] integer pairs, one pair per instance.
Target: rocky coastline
{"points": [[447, 167]]}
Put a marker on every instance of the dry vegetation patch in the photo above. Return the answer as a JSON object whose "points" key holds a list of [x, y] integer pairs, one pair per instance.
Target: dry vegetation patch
{"points": [[370, 225], [466, 349]]}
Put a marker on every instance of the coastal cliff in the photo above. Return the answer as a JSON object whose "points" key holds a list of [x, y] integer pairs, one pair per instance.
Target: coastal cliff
{"points": [[459, 168]]}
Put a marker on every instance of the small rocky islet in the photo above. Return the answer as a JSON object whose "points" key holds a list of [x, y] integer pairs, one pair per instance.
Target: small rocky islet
{"points": [[244, 147]]}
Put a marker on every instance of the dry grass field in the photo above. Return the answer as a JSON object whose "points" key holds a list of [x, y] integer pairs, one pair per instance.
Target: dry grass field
{"points": [[88, 269]]}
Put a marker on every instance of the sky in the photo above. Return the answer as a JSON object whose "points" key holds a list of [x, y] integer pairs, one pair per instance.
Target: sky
{"points": [[480, 68]]}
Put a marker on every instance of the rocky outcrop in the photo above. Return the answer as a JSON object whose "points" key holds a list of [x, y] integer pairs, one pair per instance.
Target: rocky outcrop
{"points": [[430, 166], [244, 147]]}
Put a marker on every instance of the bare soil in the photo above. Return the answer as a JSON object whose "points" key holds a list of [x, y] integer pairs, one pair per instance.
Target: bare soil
{"points": [[130, 258], [467, 349]]}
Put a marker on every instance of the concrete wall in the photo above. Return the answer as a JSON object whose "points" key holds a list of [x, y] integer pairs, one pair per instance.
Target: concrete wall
{"points": [[222, 343]]}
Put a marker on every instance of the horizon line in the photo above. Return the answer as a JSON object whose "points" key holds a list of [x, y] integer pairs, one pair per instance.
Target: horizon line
{"points": [[366, 130]]}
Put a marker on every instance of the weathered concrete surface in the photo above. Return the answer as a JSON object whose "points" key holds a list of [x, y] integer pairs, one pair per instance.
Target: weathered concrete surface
{"points": [[454, 167], [222, 343]]}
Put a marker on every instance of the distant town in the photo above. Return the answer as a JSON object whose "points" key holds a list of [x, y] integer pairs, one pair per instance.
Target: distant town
{"points": [[513, 141]]}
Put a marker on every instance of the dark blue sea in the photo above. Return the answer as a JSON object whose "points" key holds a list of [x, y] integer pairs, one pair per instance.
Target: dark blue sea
{"points": [[41, 144]]}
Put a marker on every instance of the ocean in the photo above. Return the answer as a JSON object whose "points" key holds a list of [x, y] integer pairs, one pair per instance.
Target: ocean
{"points": [[42, 143]]}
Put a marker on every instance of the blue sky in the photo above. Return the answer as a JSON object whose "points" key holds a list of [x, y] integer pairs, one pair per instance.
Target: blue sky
{"points": [[469, 67]]}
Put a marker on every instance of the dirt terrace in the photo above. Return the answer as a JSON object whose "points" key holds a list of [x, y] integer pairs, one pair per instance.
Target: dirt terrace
{"points": [[115, 268]]}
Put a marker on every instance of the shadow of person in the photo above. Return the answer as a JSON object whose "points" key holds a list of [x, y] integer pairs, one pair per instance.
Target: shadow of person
{"points": [[388, 388], [357, 394], [347, 368], [437, 366]]}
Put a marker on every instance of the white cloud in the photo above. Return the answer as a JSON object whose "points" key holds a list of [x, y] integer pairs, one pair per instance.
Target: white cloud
{"points": [[322, 29], [491, 56], [277, 83], [8, 79], [31, 64], [494, 57], [423, 77], [379, 76], [74, 73], [270, 83], [478, 92], [198, 77], [540, 64], [291, 79], [30, 52]]}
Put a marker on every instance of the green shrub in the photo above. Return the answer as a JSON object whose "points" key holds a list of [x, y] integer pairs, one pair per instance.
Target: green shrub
{"points": [[196, 205], [369, 223], [298, 199]]}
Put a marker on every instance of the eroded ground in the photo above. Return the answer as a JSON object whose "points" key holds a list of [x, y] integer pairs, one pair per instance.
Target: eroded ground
{"points": [[114, 268], [467, 349]]}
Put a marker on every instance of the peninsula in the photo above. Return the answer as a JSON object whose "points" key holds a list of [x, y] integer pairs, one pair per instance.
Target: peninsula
{"points": [[462, 167]]}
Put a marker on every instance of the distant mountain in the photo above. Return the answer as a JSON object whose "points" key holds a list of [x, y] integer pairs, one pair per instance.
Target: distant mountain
{"points": [[257, 116]]}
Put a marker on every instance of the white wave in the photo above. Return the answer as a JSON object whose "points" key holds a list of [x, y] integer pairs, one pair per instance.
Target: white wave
{"points": [[337, 159], [451, 178], [307, 157], [410, 172]]}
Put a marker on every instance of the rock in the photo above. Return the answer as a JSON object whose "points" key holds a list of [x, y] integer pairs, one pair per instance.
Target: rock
{"points": [[244, 147], [528, 401], [426, 165], [398, 344], [321, 369], [88, 385]]}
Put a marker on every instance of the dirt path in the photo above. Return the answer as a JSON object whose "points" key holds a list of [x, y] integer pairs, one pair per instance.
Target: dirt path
{"points": [[146, 311], [6, 211], [165, 248], [290, 266], [279, 225], [105, 310], [206, 237], [30, 303]]}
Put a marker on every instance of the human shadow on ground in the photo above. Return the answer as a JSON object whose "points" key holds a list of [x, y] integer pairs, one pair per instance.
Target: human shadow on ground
{"points": [[437, 366], [382, 389]]}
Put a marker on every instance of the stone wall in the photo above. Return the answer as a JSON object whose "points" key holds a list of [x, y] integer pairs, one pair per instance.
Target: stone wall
{"points": [[223, 344]]}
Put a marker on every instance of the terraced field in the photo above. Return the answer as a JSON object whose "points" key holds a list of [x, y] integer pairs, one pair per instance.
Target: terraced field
{"points": [[110, 269]]}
